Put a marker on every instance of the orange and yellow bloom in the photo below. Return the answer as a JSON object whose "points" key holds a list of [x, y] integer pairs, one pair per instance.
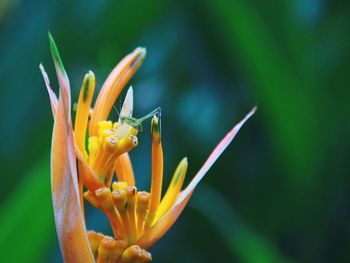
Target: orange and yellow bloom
{"points": [[86, 156]]}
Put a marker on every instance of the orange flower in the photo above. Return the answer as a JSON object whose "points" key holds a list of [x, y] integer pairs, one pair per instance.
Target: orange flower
{"points": [[138, 219]]}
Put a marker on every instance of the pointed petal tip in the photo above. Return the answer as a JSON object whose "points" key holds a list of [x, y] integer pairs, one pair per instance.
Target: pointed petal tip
{"points": [[49, 35], [42, 69], [142, 51], [139, 55], [184, 161], [155, 128], [90, 73], [55, 54], [255, 108], [250, 114], [128, 104], [155, 120], [130, 92], [219, 149], [89, 76]]}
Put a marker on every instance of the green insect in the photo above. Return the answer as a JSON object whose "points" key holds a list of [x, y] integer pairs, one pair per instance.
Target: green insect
{"points": [[137, 123]]}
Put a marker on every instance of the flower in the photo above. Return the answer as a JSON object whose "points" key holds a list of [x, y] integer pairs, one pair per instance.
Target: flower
{"points": [[138, 218]]}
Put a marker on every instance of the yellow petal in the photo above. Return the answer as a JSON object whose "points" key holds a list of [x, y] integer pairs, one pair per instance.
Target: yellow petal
{"points": [[174, 189], [82, 115], [112, 87]]}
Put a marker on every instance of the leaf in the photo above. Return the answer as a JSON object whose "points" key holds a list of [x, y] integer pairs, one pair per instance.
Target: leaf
{"points": [[240, 239], [288, 97], [27, 211]]}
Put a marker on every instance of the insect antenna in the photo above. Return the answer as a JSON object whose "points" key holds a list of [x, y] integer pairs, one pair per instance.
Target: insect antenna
{"points": [[156, 111], [116, 110]]}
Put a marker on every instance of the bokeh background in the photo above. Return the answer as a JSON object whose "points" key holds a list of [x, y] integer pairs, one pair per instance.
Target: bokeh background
{"points": [[279, 193]]}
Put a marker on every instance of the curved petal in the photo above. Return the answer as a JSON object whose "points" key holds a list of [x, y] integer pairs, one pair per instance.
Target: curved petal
{"points": [[174, 189], [157, 167], [65, 98], [69, 221], [213, 157], [52, 95], [163, 225], [113, 85], [89, 177]]}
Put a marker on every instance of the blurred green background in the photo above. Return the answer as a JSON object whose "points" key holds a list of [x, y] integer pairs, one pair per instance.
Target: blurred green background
{"points": [[280, 192]]}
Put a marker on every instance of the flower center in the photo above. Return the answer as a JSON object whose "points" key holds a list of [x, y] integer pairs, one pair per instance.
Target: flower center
{"points": [[104, 149]]}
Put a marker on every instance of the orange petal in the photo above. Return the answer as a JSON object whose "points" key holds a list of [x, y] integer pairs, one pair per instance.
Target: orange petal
{"points": [[124, 171], [90, 179], [164, 223], [65, 114], [112, 87], [69, 221], [162, 226], [157, 166]]}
